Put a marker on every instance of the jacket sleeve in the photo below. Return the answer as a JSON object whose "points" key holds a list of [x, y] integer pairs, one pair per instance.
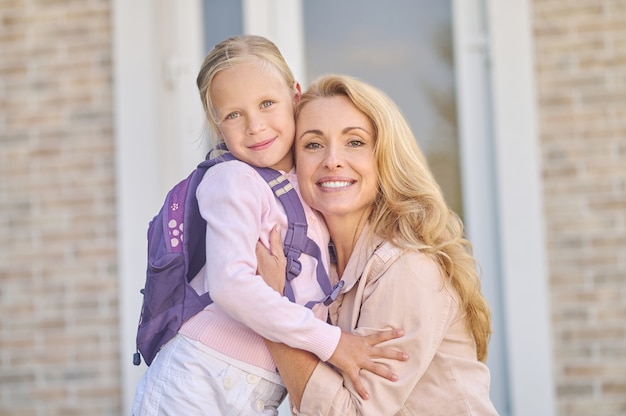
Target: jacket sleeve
{"points": [[410, 295], [240, 209]]}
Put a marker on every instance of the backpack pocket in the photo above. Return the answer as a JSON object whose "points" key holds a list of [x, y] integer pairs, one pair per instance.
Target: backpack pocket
{"points": [[161, 315]]}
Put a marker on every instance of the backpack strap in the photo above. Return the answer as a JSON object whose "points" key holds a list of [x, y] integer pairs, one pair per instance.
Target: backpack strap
{"points": [[296, 239]]}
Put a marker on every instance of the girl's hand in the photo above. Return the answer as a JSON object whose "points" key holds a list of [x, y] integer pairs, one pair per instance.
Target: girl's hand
{"points": [[272, 264], [356, 352]]}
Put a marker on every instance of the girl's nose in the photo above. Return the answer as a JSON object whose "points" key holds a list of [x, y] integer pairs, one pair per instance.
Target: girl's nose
{"points": [[254, 125]]}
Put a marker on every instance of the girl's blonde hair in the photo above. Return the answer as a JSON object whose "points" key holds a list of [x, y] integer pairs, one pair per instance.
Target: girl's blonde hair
{"points": [[236, 50], [410, 209]]}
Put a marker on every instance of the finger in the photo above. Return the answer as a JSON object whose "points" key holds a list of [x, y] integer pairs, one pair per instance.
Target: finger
{"points": [[358, 386], [386, 352], [259, 249], [382, 336], [391, 354], [275, 241], [382, 370]]}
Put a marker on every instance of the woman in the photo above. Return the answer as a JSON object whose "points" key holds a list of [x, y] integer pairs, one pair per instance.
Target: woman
{"points": [[402, 256]]}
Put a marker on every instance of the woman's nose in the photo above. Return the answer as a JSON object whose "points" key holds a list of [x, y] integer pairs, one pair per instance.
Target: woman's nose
{"points": [[333, 158]]}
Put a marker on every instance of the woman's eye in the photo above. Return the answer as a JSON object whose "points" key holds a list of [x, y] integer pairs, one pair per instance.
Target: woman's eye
{"points": [[355, 143], [312, 146], [266, 104]]}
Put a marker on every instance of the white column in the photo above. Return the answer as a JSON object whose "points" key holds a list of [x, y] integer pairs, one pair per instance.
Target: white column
{"points": [[520, 208], [135, 118], [480, 208], [281, 22], [158, 120], [502, 196], [181, 140]]}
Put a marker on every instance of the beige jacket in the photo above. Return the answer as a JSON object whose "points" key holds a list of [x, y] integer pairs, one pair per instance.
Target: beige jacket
{"points": [[387, 287]]}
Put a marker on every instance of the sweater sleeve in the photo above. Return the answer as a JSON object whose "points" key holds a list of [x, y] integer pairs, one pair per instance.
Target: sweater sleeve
{"points": [[410, 295], [240, 209]]}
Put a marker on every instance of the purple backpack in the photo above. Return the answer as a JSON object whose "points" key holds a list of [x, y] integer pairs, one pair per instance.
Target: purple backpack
{"points": [[177, 252]]}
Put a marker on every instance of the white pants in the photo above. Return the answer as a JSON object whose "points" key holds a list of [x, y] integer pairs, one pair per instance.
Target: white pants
{"points": [[185, 380]]}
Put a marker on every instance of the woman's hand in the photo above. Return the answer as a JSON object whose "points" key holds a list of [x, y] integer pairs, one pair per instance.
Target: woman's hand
{"points": [[356, 352], [272, 264]]}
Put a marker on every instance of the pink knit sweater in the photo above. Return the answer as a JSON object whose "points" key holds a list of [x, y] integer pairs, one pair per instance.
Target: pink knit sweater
{"points": [[240, 209]]}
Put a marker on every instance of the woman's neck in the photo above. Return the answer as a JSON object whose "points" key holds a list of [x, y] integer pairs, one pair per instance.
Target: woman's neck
{"points": [[344, 232]]}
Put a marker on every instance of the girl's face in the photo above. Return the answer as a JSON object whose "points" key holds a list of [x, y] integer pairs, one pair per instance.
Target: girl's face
{"points": [[255, 114], [336, 169]]}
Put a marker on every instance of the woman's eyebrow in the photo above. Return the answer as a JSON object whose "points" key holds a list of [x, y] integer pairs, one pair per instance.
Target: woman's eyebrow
{"points": [[348, 129], [312, 131]]}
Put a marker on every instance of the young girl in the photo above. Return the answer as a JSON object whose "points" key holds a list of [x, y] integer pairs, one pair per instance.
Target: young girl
{"points": [[218, 363]]}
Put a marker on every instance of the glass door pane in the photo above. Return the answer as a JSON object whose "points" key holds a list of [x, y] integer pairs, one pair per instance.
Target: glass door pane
{"points": [[403, 47], [222, 18]]}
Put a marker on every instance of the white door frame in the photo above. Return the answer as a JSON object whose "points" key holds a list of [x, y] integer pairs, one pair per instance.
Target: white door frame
{"points": [[157, 52], [526, 290], [158, 117], [500, 160]]}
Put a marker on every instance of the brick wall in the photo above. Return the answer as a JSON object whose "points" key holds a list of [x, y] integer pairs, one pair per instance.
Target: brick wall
{"points": [[580, 55], [58, 293]]}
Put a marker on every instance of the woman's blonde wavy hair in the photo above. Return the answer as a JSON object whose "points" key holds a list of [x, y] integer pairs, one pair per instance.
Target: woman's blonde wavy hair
{"points": [[410, 209]]}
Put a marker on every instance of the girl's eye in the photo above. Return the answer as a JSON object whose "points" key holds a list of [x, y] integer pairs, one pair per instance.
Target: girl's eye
{"points": [[266, 104], [232, 116]]}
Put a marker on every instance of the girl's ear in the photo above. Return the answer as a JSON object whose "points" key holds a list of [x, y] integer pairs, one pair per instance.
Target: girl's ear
{"points": [[297, 92]]}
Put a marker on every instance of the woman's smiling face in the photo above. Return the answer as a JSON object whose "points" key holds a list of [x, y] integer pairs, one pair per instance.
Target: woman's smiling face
{"points": [[335, 157]]}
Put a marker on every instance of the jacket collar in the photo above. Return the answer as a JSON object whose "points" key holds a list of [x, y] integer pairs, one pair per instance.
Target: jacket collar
{"points": [[365, 247]]}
